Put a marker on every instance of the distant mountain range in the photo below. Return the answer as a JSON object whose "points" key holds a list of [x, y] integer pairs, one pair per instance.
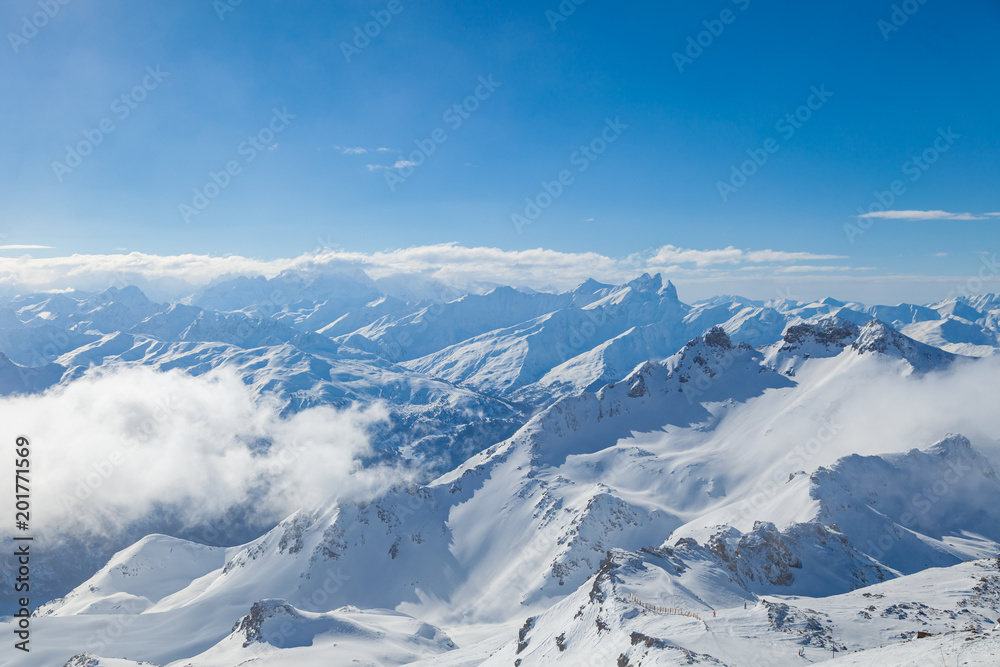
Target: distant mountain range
{"points": [[570, 455]]}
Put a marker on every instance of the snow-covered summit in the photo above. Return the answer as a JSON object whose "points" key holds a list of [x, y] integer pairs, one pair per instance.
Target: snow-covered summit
{"points": [[877, 336]]}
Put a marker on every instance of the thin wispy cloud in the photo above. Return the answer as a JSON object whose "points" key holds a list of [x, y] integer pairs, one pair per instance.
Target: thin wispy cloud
{"points": [[670, 254], [25, 247], [361, 150], [398, 164], [803, 268], [925, 215]]}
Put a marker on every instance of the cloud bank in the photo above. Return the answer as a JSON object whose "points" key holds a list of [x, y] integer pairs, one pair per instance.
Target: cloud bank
{"points": [[116, 447], [167, 277], [757, 273]]}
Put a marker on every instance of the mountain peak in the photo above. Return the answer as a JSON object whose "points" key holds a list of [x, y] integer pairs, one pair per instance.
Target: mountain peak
{"points": [[589, 286], [829, 331], [951, 443], [715, 337], [653, 284], [877, 336], [669, 291], [129, 295], [647, 283]]}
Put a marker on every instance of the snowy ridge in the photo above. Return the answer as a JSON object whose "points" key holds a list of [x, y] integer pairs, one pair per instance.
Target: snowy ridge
{"points": [[600, 624], [139, 577], [18, 379]]}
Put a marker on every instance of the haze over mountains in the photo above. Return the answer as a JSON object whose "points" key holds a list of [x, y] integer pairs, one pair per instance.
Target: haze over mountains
{"points": [[316, 470]]}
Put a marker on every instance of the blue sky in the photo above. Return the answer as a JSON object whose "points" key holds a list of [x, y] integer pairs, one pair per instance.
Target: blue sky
{"points": [[871, 92]]}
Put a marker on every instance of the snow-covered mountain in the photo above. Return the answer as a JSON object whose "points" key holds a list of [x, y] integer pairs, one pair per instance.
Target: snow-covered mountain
{"points": [[575, 463]]}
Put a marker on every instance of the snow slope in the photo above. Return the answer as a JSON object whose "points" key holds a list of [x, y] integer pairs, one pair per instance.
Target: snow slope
{"points": [[601, 624]]}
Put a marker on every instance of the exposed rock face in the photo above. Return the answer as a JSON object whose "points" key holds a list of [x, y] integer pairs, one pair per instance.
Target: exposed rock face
{"points": [[251, 625], [831, 332]]}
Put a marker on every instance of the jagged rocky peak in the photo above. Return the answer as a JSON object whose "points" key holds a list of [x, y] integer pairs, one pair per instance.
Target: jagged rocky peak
{"points": [[717, 337], [705, 352], [877, 336], [646, 283], [669, 291], [653, 284], [716, 340], [828, 331]]}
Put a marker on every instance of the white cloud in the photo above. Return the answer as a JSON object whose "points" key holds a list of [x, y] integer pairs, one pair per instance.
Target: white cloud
{"points": [[360, 150], [25, 247], [673, 255], [923, 215], [187, 446], [398, 164]]}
